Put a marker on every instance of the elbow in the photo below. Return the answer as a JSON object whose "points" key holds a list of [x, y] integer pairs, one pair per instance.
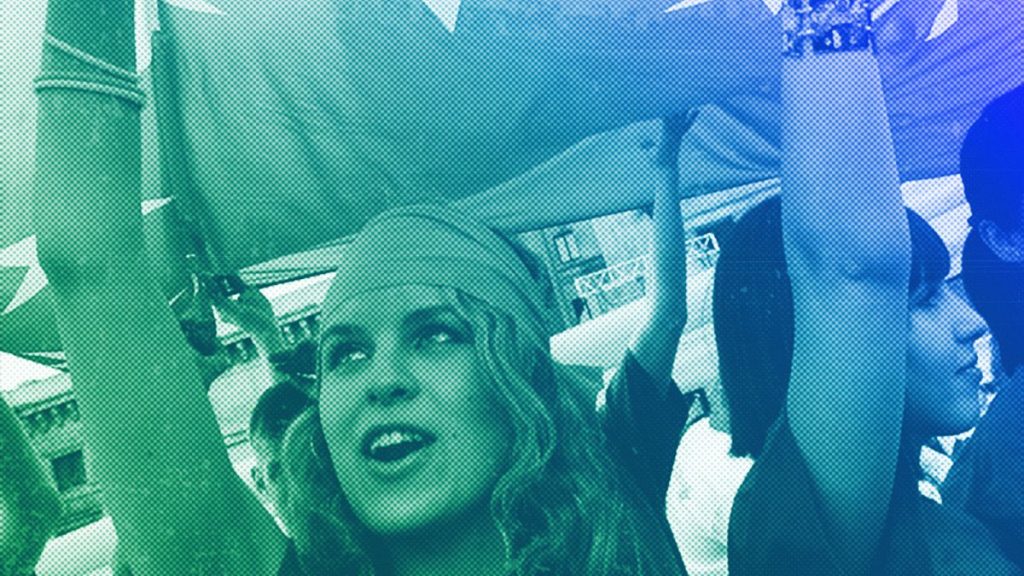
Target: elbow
{"points": [[73, 256], [67, 268], [877, 258], [57, 258]]}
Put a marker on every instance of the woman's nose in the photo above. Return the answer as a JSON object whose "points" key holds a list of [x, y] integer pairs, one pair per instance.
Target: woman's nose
{"points": [[970, 325], [391, 381]]}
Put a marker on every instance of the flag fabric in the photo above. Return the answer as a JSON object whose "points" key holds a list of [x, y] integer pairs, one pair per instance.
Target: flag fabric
{"points": [[280, 126]]}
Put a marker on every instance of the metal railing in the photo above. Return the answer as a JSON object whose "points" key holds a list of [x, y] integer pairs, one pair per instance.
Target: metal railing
{"points": [[702, 252]]}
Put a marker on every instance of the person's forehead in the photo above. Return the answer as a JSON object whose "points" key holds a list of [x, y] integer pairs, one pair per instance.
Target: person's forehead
{"points": [[391, 300], [385, 307]]}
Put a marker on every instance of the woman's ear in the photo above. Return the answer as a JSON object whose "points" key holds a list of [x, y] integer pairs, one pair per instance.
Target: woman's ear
{"points": [[1008, 246]]}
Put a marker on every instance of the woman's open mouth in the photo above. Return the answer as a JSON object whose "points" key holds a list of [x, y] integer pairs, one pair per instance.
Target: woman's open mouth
{"points": [[393, 443]]}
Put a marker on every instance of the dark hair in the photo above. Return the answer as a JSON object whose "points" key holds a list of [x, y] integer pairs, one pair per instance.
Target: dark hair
{"points": [[994, 288], [298, 365], [753, 316], [275, 410], [992, 161], [992, 169]]}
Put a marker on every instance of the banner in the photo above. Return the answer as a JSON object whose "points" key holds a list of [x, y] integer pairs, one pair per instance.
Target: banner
{"points": [[281, 126]]}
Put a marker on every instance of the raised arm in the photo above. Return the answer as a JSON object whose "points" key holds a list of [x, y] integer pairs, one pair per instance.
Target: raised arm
{"points": [[156, 449], [656, 339], [848, 251], [644, 412], [637, 161], [29, 504], [252, 312]]}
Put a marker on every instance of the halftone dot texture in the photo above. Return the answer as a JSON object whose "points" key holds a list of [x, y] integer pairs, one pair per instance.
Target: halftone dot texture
{"points": [[300, 124]]}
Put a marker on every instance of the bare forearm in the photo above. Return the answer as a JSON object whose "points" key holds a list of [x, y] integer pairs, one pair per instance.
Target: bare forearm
{"points": [[143, 408], [668, 251], [656, 342], [848, 253]]}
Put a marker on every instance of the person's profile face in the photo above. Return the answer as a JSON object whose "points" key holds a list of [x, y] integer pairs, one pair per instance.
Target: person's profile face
{"points": [[407, 410], [943, 376]]}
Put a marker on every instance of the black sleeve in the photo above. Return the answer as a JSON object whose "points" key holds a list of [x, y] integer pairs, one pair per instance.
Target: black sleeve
{"points": [[643, 426]]}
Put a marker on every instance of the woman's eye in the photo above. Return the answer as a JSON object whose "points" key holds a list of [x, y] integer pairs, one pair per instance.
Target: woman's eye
{"points": [[434, 335], [344, 354]]}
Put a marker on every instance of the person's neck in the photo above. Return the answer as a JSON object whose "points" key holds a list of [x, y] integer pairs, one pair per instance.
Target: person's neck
{"points": [[470, 544], [908, 471]]}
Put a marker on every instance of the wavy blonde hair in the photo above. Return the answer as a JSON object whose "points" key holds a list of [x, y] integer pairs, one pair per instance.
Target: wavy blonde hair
{"points": [[564, 505]]}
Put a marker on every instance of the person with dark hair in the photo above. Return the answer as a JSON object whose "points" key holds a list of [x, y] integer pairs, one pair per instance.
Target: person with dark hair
{"points": [[987, 479], [753, 316], [274, 412], [882, 349], [277, 408], [992, 170]]}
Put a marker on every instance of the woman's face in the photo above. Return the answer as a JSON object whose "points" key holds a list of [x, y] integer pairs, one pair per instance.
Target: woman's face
{"points": [[408, 411], [943, 377]]}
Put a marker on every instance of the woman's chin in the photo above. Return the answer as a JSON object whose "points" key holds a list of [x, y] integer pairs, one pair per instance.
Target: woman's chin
{"points": [[398, 521], [954, 424]]}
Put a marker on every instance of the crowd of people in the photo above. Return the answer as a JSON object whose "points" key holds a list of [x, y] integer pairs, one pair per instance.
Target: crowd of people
{"points": [[429, 431]]}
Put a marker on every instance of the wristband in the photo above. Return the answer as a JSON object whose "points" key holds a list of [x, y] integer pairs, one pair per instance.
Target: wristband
{"points": [[90, 82], [821, 27], [108, 78], [130, 95]]}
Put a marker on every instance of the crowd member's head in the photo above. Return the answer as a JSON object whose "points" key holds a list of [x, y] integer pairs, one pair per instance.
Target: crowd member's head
{"points": [[754, 327], [297, 366], [440, 405], [275, 411], [992, 168], [752, 312]]}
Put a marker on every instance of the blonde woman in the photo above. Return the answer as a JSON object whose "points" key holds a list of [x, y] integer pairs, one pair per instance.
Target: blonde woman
{"points": [[446, 441]]}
